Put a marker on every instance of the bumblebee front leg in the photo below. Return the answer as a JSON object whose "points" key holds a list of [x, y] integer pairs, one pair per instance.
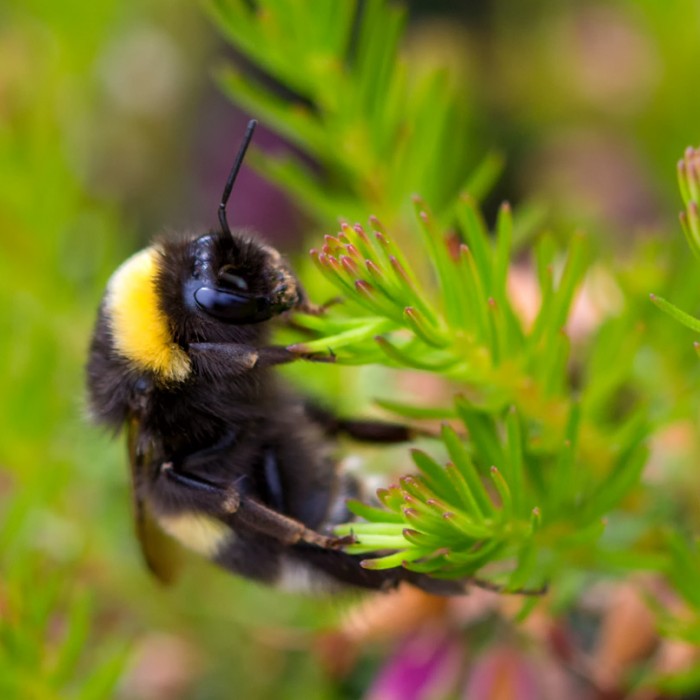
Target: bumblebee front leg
{"points": [[226, 359]]}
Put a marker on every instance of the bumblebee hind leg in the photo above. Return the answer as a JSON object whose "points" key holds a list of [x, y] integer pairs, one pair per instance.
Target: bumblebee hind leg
{"points": [[227, 503]]}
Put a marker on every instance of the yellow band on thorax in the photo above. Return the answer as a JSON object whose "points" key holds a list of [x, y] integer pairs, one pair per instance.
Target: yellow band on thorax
{"points": [[140, 330]]}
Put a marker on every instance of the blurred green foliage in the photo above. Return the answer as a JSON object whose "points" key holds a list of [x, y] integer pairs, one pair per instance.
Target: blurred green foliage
{"points": [[98, 116]]}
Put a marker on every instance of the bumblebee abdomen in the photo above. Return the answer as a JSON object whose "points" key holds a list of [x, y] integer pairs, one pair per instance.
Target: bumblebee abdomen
{"points": [[197, 531]]}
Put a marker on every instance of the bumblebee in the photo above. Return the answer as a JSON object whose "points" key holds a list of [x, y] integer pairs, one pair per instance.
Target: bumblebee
{"points": [[224, 457]]}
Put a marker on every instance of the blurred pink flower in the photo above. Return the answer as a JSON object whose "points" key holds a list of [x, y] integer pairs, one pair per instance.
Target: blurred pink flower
{"points": [[503, 673], [425, 666]]}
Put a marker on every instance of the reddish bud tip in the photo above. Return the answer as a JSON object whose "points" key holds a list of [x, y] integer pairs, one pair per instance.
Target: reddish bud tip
{"points": [[375, 223], [348, 263], [374, 269]]}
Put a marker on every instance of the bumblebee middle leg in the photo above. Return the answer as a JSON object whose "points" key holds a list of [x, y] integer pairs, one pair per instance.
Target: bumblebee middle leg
{"points": [[362, 430]]}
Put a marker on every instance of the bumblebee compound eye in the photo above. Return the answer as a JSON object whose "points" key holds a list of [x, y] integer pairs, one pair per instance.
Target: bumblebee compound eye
{"points": [[231, 307]]}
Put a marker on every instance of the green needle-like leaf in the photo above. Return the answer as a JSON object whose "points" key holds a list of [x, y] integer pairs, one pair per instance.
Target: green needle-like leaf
{"points": [[434, 473], [476, 495], [675, 313]]}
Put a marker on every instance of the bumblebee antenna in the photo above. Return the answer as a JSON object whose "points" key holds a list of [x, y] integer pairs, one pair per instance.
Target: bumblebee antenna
{"points": [[233, 174]]}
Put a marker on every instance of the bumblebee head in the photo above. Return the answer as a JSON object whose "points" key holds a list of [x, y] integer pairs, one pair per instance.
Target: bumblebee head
{"points": [[218, 281], [217, 287], [235, 279], [224, 277]]}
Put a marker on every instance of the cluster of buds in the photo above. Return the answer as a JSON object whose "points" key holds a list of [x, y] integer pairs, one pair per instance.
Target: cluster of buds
{"points": [[370, 270], [689, 182], [448, 314], [448, 519]]}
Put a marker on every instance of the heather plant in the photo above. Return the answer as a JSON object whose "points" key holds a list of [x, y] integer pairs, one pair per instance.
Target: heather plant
{"points": [[556, 442], [533, 479], [532, 464]]}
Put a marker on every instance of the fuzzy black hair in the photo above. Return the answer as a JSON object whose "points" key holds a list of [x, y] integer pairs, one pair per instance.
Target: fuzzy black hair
{"points": [[176, 265]]}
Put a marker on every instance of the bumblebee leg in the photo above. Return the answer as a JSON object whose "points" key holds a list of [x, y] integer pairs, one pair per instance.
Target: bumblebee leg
{"points": [[184, 474], [201, 458], [376, 431], [230, 359], [307, 307], [264, 520], [209, 496], [224, 501], [361, 430], [223, 359], [277, 355]]}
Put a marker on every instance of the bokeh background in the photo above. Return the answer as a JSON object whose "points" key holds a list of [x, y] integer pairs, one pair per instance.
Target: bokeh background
{"points": [[112, 130]]}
